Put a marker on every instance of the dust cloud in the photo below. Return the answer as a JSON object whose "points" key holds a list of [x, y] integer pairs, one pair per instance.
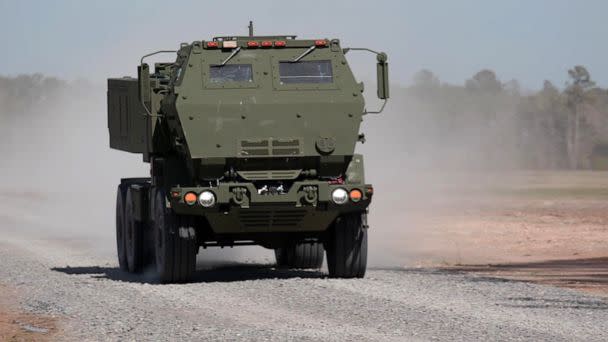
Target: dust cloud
{"points": [[425, 165], [427, 154], [58, 176]]}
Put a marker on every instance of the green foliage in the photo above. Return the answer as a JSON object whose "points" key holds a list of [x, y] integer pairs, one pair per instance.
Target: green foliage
{"points": [[21, 93], [486, 81], [505, 128], [484, 122], [577, 90]]}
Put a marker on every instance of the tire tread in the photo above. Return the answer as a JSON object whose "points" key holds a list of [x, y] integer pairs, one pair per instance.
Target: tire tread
{"points": [[301, 255], [347, 247], [180, 252]]}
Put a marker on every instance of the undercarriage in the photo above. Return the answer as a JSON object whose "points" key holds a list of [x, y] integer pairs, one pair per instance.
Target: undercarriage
{"points": [[165, 229]]}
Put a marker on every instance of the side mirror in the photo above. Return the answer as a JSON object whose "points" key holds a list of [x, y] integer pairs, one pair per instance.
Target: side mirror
{"points": [[382, 75], [143, 76]]}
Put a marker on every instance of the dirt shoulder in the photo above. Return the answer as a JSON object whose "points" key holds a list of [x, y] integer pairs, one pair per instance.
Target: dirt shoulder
{"points": [[544, 227], [18, 325], [587, 275], [560, 242]]}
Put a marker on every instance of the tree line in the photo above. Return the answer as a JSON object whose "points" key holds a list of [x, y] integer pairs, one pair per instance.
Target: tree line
{"points": [[490, 122], [501, 124]]}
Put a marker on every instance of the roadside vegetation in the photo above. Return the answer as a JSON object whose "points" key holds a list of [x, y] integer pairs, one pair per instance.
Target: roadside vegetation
{"points": [[489, 123], [482, 123]]}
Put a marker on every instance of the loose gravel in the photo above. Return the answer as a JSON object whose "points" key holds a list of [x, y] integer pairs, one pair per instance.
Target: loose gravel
{"points": [[72, 280]]}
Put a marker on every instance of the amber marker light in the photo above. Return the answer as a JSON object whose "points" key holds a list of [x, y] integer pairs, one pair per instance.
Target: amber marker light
{"points": [[356, 195], [190, 198]]}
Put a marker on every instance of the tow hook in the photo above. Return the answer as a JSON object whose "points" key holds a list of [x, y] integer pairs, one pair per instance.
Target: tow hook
{"points": [[310, 194]]}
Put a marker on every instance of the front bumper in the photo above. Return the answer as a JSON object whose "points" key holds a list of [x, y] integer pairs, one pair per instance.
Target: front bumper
{"points": [[307, 206]]}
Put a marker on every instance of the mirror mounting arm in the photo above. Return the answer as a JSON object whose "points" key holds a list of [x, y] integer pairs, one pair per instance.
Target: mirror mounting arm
{"points": [[382, 76], [379, 110], [144, 81]]}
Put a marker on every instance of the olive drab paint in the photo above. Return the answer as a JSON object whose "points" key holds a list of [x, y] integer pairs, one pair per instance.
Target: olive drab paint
{"points": [[269, 124]]}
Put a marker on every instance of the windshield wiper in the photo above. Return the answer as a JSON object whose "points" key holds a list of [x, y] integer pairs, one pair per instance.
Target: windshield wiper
{"points": [[231, 55], [304, 54]]}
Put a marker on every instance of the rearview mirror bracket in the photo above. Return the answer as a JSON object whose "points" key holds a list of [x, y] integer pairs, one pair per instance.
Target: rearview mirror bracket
{"points": [[381, 76]]}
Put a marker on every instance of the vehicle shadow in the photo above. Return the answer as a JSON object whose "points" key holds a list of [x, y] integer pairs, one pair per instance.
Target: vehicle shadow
{"points": [[232, 272]]}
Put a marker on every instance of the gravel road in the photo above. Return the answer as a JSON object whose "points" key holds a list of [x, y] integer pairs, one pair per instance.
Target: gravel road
{"points": [[74, 277]]}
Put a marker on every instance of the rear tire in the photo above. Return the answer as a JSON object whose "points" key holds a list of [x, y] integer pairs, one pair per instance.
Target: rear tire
{"points": [[347, 247], [134, 237], [301, 255], [121, 250], [174, 243]]}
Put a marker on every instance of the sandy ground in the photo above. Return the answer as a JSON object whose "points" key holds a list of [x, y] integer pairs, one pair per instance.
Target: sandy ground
{"points": [[18, 325], [545, 227]]}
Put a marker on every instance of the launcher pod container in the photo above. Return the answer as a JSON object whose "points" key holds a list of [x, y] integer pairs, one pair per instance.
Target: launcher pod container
{"points": [[250, 141]]}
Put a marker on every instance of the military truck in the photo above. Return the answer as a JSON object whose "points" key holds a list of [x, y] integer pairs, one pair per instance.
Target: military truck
{"points": [[250, 141]]}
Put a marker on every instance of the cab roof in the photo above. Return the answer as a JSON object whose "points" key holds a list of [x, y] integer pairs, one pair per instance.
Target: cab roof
{"points": [[223, 38]]}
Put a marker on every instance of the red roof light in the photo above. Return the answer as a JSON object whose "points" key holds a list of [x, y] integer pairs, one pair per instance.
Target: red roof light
{"points": [[212, 44], [279, 43], [321, 42], [266, 43], [252, 44]]}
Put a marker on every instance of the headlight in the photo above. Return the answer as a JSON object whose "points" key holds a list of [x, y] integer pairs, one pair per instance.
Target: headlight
{"points": [[339, 196], [206, 199]]}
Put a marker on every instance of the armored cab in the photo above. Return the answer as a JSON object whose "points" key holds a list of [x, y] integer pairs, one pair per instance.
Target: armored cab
{"points": [[250, 141]]}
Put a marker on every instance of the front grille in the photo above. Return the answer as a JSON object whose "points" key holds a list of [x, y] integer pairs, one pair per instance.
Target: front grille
{"points": [[253, 218], [285, 151], [255, 152], [275, 147], [270, 174], [286, 142], [254, 143]]}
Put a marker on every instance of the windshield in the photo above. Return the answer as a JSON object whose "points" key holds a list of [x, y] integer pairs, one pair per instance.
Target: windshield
{"points": [[230, 73], [305, 72]]}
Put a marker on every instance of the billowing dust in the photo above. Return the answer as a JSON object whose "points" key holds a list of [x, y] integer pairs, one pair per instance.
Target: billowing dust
{"points": [[437, 200]]}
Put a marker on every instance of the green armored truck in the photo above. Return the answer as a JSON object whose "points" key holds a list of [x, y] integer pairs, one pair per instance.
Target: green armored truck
{"points": [[250, 141]]}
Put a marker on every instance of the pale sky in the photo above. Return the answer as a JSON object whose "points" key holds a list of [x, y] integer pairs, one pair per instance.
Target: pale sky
{"points": [[528, 40]]}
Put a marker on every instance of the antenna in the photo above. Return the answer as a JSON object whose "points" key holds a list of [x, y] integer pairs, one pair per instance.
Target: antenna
{"points": [[250, 28]]}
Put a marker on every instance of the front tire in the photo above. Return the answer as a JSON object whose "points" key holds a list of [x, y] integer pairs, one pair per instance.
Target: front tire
{"points": [[175, 243], [300, 255], [347, 247]]}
